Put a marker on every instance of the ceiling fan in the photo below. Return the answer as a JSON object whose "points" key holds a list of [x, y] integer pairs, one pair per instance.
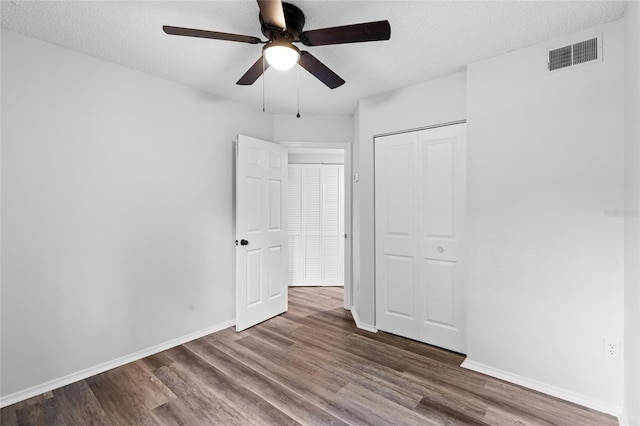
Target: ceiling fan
{"points": [[282, 24]]}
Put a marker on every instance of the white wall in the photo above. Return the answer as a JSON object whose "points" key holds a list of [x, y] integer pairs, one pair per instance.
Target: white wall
{"points": [[312, 128], [545, 164], [632, 218], [117, 227], [434, 102], [316, 156]]}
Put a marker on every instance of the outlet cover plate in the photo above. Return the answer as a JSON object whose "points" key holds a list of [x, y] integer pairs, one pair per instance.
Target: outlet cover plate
{"points": [[612, 349]]}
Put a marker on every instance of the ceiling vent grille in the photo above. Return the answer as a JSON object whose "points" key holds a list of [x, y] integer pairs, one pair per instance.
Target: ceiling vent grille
{"points": [[575, 54]]}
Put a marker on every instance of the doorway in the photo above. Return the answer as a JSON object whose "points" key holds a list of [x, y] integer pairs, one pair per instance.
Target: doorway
{"points": [[316, 224], [320, 224]]}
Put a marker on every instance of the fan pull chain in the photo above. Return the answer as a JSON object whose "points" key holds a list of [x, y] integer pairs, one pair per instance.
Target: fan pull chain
{"points": [[263, 78], [298, 83]]}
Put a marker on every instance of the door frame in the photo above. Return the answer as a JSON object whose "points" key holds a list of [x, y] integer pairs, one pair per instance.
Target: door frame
{"points": [[346, 147]]}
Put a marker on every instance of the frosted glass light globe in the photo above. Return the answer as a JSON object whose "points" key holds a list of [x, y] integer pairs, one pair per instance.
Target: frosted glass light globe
{"points": [[281, 56]]}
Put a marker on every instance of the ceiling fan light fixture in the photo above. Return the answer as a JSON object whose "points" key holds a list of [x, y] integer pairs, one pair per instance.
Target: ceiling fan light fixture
{"points": [[281, 55], [282, 24]]}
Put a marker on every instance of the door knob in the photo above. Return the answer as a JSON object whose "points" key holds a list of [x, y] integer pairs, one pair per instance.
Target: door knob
{"points": [[440, 249], [244, 242]]}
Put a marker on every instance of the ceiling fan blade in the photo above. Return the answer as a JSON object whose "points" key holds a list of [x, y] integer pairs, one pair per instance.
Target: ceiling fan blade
{"points": [[190, 32], [319, 70], [254, 72], [356, 33], [272, 13]]}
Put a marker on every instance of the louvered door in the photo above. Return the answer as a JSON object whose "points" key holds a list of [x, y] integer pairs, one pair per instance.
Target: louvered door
{"points": [[332, 263], [316, 225]]}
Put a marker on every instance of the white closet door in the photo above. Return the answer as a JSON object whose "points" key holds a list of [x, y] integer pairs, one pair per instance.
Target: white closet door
{"points": [[442, 236], [420, 184], [316, 225], [397, 229], [312, 222], [332, 225], [296, 237]]}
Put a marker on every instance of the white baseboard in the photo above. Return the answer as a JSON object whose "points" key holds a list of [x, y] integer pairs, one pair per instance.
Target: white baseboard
{"points": [[565, 394], [362, 325], [105, 366]]}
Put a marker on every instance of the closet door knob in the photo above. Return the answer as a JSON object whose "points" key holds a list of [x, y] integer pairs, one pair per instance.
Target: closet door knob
{"points": [[244, 242], [440, 249]]}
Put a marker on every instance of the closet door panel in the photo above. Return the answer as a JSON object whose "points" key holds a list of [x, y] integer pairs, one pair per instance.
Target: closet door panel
{"points": [[442, 232], [296, 242], [332, 225], [396, 207]]}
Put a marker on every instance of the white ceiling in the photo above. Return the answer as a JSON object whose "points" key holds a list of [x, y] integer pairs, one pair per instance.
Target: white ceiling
{"points": [[428, 40]]}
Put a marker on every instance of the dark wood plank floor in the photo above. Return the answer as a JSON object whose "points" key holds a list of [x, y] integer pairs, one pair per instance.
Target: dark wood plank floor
{"points": [[311, 366]]}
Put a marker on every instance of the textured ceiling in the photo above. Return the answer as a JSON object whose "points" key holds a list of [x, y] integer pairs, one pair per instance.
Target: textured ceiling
{"points": [[428, 40]]}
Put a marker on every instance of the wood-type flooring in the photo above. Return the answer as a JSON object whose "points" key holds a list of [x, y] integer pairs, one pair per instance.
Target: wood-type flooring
{"points": [[309, 366]]}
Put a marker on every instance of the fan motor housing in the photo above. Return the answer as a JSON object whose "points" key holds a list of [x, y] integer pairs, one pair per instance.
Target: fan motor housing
{"points": [[295, 22]]}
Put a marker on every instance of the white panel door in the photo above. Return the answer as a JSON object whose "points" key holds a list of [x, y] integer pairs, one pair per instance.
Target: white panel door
{"points": [[420, 184], [261, 231], [442, 236], [397, 234]]}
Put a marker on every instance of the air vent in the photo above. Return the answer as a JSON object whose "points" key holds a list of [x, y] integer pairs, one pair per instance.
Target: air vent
{"points": [[560, 58], [575, 54]]}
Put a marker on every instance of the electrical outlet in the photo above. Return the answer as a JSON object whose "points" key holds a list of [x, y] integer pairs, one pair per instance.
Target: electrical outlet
{"points": [[611, 349]]}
